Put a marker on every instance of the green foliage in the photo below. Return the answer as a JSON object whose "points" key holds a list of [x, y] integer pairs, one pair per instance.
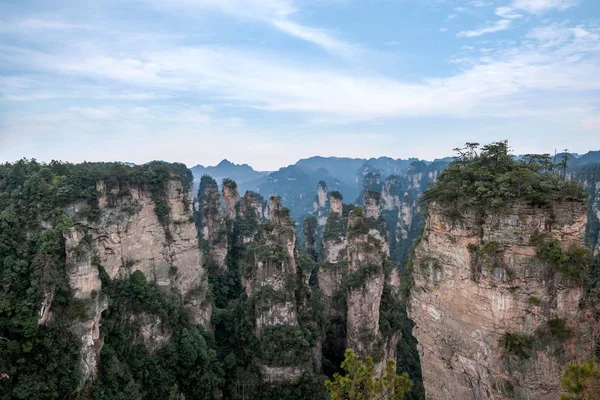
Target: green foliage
{"points": [[490, 248], [534, 301], [335, 228], [357, 279], [42, 360], [310, 387], [337, 195], [357, 225], [581, 381], [558, 328], [492, 179], [186, 365], [309, 231], [359, 382], [518, 344], [555, 329], [230, 183], [572, 264], [284, 345], [273, 252]]}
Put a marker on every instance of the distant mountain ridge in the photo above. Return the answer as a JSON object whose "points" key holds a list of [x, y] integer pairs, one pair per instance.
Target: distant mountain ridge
{"points": [[297, 183], [241, 173]]}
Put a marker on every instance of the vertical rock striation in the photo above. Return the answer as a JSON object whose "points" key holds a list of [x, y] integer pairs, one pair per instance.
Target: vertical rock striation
{"points": [[269, 279], [334, 265], [321, 204], [213, 230], [365, 286], [231, 197], [129, 236], [494, 320], [352, 278]]}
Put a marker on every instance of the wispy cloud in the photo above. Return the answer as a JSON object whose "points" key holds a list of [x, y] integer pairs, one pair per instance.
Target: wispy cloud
{"points": [[61, 80], [264, 81], [490, 27], [276, 13], [510, 13], [542, 6]]}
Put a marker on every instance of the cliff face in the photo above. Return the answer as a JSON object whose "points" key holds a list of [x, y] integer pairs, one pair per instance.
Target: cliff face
{"points": [[365, 285], [493, 319], [589, 177], [400, 205], [212, 223], [126, 237], [352, 278], [334, 268], [596, 210], [231, 197], [321, 204], [269, 280]]}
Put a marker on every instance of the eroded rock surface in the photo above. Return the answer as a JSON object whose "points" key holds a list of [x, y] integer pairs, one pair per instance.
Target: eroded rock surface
{"points": [[480, 288], [128, 237]]}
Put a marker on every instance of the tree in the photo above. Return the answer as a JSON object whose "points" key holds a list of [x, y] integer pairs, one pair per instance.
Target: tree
{"points": [[581, 381], [359, 382], [564, 162]]}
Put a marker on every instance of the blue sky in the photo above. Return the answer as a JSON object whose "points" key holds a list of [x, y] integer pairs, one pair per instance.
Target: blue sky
{"points": [[266, 82]]}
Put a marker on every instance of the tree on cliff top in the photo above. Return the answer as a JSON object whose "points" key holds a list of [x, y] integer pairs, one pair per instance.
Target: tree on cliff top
{"points": [[492, 178], [359, 383]]}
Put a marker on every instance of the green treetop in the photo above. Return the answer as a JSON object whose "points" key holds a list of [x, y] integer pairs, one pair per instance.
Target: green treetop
{"points": [[359, 382], [491, 178]]}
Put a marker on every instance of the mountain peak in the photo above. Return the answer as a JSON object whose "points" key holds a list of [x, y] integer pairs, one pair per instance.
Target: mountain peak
{"points": [[225, 163]]}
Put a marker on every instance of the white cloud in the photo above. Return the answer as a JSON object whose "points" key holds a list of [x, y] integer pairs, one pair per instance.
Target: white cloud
{"points": [[316, 36], [511, 13], [35, 25], [479, 3], [265, 81], [507, 13], [557, 34], [491, 27], [276, 13], [541, 6]]}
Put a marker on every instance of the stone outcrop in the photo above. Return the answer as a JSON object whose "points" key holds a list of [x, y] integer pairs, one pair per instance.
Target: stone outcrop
{"points": [[321, 204], [255, 202], [213, 230], [231, 197], [400, 205], [128, 236], [352, 279], [589, 177], [269, 281], [365, 286], [595, 209], [334, 268], [494, 320]]}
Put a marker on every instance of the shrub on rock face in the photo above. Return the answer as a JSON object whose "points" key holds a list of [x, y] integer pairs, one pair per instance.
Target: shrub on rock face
{"points": [[581, 381]]}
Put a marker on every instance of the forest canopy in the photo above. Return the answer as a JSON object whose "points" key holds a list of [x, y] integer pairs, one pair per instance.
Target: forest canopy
{"points": [[490, 177]]}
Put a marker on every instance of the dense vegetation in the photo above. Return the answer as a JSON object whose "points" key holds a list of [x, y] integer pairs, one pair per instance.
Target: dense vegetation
{"points": [[41, 361], [358, 382], [185, 365], [492, 178]]}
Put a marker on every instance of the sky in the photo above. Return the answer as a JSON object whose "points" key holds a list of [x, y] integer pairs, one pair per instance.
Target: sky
{"points": [[267, 82]]}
